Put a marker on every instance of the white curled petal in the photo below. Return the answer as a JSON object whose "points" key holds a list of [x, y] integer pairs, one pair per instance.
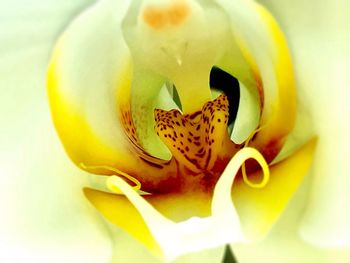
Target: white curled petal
{"points": [[195, 233], [176, 239]]}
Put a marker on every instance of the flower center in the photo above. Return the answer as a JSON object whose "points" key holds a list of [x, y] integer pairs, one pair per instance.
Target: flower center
{"points": [[199, 140]]}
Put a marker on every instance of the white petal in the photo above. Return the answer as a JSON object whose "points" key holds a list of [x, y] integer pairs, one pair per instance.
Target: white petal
{"points": [[44, 217], [283, 244], [321, 52]]}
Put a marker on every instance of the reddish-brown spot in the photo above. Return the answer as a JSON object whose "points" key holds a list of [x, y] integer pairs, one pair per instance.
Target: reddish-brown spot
{"points": [[260, 88], [271, 149], [201, 136]]}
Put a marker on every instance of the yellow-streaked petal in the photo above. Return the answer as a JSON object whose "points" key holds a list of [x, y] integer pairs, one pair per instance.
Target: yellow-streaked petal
{"points": [[321, 51], [89, 65], [265, 49], [280, 121], [259, 209]]}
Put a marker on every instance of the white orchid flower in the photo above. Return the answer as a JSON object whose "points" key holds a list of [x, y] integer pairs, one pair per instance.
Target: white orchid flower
{"points": [[105, 80], [242, 209]]}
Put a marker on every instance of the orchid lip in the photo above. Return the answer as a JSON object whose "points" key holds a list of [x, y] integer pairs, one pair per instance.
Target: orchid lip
{"points": [[171, 235]]}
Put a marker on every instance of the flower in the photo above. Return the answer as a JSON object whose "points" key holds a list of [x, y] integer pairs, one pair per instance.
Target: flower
{"points": [[105, 84], [43, 217]]}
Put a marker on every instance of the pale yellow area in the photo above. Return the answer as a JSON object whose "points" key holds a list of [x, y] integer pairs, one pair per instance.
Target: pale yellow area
{"points": [[259, 209]]}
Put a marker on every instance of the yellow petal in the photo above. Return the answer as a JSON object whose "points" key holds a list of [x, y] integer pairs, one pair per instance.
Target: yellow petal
{"points": [[119, 210], [126, 214], [259, 209]]}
